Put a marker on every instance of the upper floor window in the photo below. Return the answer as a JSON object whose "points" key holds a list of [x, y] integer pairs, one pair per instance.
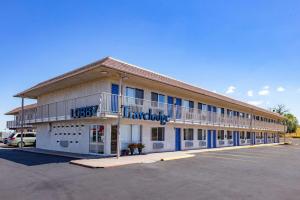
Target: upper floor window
{"points": [[202, 106], [157, 99], [189, 105], [135, 95]]}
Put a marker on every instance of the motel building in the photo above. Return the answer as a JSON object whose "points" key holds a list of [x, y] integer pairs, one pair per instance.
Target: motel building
{"points": [[79, 112], [15, 125]]}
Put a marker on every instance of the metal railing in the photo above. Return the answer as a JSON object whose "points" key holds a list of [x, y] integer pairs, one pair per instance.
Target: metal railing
{"points": [[16, 124], [108, 106]]}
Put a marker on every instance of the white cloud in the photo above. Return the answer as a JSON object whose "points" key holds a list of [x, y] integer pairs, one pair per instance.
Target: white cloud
{"points": [[265, 91], [250, 93], [255, 103], [214, 91], [280, 89], [230, 90]]}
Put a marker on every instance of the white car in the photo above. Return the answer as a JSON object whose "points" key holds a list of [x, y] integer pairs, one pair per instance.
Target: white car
{"points": [[28, 139]]}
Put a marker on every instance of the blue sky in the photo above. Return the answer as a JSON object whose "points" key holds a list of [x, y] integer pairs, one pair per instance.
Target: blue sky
{"points": [[249, 50]]}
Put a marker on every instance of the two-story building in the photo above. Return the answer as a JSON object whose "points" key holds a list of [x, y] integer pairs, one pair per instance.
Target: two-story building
{"points": [[78, 112], [15, 124]]}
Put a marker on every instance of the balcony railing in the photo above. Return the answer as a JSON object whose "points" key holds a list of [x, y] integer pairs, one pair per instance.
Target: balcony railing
{"points": [[16, 124], [108, 106]]}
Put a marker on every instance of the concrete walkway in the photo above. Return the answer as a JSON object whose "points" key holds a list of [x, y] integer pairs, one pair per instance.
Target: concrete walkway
{"points": [[153, 157]]}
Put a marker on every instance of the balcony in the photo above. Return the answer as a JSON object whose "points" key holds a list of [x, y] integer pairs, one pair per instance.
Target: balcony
{"points": [[107, 106], [16, 124]]}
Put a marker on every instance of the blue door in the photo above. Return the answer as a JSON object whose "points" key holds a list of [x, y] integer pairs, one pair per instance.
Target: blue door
{"points": [[238, 138], [234, 139], [177, 139], [170, 106], [114, 98], [265, 138], [208, 139], [178, 108], [253, 138], [214, 139]]}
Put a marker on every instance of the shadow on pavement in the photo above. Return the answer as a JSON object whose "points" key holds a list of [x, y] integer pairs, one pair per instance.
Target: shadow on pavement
{"points": [[30, 159]]}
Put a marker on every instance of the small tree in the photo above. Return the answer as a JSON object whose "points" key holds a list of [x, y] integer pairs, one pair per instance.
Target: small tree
{"points": [[291, 123], [280, 109]]}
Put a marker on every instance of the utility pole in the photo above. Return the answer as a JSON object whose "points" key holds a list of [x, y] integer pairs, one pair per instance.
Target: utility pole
{"points": [[120, 114], [22, 122]]}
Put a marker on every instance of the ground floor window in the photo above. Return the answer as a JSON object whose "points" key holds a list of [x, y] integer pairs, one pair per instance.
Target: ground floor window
{"points": [[221, 135], [259, 135], [248, 135], [158, 134], [201, 134], [242, 135], [188, 134], [130, 133], [229, 135]]}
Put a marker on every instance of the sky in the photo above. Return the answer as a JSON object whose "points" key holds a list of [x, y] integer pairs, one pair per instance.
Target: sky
{"points": [[247, 50]]}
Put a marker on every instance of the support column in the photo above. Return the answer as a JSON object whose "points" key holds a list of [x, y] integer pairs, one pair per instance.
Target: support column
{"points": [[22, 121]]}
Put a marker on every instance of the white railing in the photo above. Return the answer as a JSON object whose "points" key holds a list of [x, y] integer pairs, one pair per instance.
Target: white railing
{"points": [[108, 105], [16, 124]]}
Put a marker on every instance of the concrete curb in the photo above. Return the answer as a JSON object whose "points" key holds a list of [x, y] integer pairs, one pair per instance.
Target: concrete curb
{"points": [[178, 157]]}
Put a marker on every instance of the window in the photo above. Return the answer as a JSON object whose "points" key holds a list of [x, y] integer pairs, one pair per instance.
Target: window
{"points": [[229, 112], [185, 103], [221, 135], [260, 135], [242, 135], [229, 135], [30, 135], [248, 135], [158, 134], [157, 100], [201, 134], [188, 134], [130, 134], [135, 96], [203, 107]]}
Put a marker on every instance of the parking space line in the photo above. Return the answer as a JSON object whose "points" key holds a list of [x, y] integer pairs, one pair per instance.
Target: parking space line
{"points": [[226, 158], [262, 155], [241, 155]]}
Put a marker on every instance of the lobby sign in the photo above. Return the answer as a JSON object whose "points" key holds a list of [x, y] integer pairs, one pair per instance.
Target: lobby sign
{"points": [[82, 112], [162, 118]]}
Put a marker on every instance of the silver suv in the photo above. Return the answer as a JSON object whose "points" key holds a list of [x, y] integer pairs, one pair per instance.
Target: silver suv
{"points": [[28, 139]]}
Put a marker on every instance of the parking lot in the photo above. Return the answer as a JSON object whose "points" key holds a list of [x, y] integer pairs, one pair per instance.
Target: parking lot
{"points": [[253, 173]]}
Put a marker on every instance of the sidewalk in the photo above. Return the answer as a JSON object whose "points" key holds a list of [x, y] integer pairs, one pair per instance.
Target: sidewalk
{"points": [[153, 157]]}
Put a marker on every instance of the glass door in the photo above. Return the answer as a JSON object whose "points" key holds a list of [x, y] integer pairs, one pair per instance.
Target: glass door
{"points": [[97, 139]]}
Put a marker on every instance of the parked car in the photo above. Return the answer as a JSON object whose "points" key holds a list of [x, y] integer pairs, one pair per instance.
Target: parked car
{"points": [[28, 139], [5, 140], [4, 135]]}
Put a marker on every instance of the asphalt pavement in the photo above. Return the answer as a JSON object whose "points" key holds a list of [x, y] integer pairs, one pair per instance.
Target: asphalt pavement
{"points": [[254, 173]]}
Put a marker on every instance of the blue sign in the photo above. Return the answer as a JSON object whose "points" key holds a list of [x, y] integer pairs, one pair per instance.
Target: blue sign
{"points": [[82, 112], [163, 119]]}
